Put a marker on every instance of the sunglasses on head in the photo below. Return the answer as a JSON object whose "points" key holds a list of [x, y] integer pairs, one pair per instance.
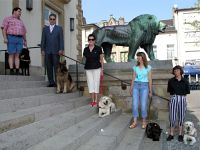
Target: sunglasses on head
{"points": [[91, 39]]}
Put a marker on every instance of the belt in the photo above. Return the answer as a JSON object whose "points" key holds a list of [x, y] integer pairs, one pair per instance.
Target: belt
{"points": [[15, 35]]}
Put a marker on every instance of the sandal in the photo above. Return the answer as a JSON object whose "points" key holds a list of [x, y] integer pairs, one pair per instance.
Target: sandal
{"points": [[144, 125], [133, 125]]}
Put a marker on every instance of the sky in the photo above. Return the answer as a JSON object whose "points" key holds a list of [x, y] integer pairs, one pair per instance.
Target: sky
{"points": [[97, 10]]}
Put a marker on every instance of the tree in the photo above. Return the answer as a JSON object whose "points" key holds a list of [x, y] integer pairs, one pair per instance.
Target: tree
{"points": [[196, 23]]}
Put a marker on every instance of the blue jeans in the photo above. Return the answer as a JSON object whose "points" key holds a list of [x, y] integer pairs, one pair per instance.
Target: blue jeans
{"points": [[140, 96]]}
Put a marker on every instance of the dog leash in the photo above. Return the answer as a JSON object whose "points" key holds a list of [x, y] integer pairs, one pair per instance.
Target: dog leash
{"points": [[149, 108], [101, 84]]}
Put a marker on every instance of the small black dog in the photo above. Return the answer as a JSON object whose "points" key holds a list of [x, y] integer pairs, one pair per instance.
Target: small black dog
{"points": [[153, 131], [25, 61]]}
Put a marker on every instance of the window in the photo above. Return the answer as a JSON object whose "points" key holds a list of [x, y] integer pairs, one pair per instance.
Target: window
{"points": [[47, 12], [114, 57], [170, 51], [123, 56], [155, 51]]}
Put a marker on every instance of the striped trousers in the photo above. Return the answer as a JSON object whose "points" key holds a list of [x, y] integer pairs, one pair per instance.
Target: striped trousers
{"points": [[177, 108]]}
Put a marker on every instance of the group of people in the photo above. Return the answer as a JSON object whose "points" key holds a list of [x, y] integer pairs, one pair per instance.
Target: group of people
{"points": [[52, 45], [141, 87]]}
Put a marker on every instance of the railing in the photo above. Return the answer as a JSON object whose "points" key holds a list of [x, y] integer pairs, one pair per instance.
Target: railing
{"points": [[6, 56], [123, 83]]}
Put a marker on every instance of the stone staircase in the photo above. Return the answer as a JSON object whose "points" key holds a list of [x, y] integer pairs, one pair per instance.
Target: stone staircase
{"points": [[33, 117]]}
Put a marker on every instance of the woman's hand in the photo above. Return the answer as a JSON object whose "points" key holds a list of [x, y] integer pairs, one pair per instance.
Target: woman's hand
{"points": [[131, 91], [101, 72], [150, 93]]}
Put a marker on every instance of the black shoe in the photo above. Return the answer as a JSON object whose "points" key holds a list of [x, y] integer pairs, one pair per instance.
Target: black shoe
{"points": [[170, 137], [12, 72], [51, 85], [180, 138], [17, 72]]}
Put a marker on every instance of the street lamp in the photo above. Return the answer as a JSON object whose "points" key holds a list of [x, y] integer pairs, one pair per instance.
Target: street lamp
{"points": [[29, 5]]}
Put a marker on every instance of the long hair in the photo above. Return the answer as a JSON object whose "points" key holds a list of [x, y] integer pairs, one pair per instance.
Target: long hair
{"points": [[144, 58]]}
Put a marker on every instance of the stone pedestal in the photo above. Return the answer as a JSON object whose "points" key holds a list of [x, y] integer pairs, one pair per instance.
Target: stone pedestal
{"points": [[161, 72]]}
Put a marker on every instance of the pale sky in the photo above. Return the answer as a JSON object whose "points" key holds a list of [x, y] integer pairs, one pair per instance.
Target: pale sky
{"points": [[97, 10]]}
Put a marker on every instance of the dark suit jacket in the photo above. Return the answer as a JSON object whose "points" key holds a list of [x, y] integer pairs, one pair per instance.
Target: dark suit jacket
{"points": [[51, 43]]}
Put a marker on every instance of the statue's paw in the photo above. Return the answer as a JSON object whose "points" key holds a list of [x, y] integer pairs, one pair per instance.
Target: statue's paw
{"points": [[108, 60], [130, 60]]}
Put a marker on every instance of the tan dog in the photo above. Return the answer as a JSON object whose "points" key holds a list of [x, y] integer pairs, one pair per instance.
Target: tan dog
{"points": [[64, 79], [106, 106], [190, 133]]}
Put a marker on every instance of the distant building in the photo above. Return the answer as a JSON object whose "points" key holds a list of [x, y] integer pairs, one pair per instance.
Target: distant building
{"points": [[180, 42], [119, 53]]}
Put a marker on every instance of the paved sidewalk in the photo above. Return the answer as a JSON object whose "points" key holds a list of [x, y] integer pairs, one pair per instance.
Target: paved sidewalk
{"points": [[193, 114]]}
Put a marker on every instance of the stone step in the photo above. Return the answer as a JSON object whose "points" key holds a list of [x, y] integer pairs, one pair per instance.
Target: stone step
{"points": [[109, 137], [76, 135], [24, 92], [132, 139], [24, 137], [21, 84], [21, 78], [23, 117], [14, 104], [154, 145]]}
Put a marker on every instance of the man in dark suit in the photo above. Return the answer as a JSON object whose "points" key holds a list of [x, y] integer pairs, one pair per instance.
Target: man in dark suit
{"points": [[52, 45]]}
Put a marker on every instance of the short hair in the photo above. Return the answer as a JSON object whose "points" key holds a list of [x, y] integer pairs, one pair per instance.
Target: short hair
{"points": [[16, 9], [92, 35], [177, 67], [54, 15]]}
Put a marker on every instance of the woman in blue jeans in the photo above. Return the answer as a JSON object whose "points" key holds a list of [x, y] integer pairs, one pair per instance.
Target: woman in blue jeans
{"points": [[141, 88]]}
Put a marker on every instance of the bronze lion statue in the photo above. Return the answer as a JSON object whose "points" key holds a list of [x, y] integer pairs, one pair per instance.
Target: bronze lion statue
{"points": [[140, 32]]}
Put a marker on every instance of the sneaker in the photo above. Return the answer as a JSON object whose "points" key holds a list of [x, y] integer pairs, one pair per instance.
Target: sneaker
{"points": [[180, 138], [170, 137]]}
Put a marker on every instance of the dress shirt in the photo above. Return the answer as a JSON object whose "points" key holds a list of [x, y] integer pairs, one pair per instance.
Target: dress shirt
{"points": [[51, 27]]}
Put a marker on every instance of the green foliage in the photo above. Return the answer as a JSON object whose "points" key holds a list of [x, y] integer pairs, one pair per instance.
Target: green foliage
{"points": [[196, 23]]}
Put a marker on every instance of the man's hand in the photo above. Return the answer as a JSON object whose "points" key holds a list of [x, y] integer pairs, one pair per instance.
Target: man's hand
{"points": [[5, 41], [25, 43], [60, 52], [43, 53]]}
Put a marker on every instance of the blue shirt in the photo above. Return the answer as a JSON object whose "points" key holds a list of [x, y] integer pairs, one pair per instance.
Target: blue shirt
{"points": [[141, 73]]}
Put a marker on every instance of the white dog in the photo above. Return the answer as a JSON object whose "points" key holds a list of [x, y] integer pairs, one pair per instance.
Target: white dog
{"points": [[106, 106], [190, 132]]}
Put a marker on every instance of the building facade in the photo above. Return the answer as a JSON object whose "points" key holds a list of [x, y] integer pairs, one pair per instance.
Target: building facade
{"points": [[180, 42], [35, 15]]}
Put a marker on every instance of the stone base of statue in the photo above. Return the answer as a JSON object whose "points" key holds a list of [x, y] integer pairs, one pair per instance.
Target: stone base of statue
{"points": [[161, 72]]}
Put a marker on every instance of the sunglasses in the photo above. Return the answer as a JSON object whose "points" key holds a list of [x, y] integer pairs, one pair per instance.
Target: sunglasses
{"points": [[52, 19], [91, 39]]}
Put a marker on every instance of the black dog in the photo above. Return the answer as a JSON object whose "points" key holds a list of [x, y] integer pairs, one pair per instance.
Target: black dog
{"points": [[25, 61], [153, 131]]}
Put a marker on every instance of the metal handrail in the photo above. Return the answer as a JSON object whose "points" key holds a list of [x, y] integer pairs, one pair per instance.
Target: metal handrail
{"points": [[122, 81], [3, 50]]}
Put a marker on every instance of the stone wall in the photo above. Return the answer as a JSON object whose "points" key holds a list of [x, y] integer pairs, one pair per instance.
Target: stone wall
{"points": [[161, 72]]}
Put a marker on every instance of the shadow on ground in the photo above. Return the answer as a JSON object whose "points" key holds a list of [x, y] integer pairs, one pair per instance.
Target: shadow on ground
{"points": [[175, 144]]}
